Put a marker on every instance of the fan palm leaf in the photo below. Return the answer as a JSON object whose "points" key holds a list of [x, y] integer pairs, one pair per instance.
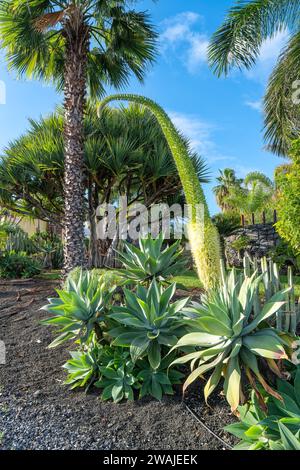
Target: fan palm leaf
{"points": [[237, 43]]}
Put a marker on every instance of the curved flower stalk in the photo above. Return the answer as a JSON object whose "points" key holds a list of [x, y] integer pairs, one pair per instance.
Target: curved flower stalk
{"points": [[205, 246]]}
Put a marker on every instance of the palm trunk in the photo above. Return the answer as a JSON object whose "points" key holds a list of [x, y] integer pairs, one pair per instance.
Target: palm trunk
{"points": [[77, 44], [93, 245]]}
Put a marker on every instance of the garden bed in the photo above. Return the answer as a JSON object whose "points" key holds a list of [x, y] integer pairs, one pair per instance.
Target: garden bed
{"points": [[38, 412]]}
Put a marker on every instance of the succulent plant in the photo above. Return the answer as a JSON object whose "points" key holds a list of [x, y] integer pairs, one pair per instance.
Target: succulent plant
{"points": [[83, 367], [79, 309], [277, 429], [148, 321], [117, 384], [158, 382], [230, 338], [288, 317], [151, 260]]}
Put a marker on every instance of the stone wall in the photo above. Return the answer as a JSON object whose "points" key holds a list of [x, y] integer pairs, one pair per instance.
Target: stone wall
{"points": [[262, 238]]}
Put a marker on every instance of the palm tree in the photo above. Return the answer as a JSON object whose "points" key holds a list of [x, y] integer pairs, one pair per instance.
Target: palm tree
{"points": [[79, 45], [227, 180], [237, 44], [256, 195], [124, 153], [203, 235]]}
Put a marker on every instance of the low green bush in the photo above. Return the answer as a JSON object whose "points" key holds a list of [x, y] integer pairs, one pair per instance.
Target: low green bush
{"points": [[277, 427], [15, 265]]}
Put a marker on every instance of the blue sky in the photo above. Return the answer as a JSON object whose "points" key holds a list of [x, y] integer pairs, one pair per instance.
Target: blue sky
{"points": [[222, 117]]}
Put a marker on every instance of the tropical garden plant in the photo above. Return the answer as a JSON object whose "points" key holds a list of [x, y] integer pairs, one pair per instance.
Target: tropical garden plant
{"points": [[255, 194], [80, 309], [275, 428], [123, 340], [231, 337], [151, 260], [80, 46], [288, 200], [226, 182], [17, 264], [125, 153], [148, 322], [203, 235]]}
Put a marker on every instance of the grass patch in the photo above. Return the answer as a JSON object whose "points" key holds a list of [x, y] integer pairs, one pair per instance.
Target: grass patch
{"points": [[53, 275], [188, 280]]}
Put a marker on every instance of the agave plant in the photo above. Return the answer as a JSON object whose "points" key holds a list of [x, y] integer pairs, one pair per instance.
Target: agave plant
{"points": [[232, 338], [83, 367], [148, 321], [151, 260], [158, 382], [277, 429], [79, 309]]}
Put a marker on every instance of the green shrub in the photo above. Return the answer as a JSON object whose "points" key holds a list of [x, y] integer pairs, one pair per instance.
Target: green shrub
{"points": [[231, 335], [226, 223], [158, 382], [288, 200], [275, 428], [240, 243], [18, 265], [284, 255]]}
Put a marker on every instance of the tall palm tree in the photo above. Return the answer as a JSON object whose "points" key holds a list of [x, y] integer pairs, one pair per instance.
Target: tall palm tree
{"points": [[237, 43], [203, 235], [78, 44], [227, 180]]}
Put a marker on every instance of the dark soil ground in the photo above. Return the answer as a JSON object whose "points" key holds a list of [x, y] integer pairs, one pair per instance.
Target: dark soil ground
{"points": [[38, 412]]}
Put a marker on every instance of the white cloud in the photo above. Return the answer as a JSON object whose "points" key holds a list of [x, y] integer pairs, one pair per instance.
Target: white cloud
{"points": [[256, 105], [269, 54], [200, 134], [178, 31]]}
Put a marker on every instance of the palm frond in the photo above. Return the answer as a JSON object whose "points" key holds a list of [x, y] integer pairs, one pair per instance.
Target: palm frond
{"points": [[282, 114], [238, 41]]}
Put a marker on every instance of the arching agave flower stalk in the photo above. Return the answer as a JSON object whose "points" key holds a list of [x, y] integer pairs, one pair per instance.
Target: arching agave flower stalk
{"points": [[205, 246]]}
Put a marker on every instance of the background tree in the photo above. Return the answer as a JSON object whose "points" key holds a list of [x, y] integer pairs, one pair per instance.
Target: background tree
{"points": [[125, 153], [237, 43], [77, 45], [255, 196], [288, 200], [227, 180]]}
